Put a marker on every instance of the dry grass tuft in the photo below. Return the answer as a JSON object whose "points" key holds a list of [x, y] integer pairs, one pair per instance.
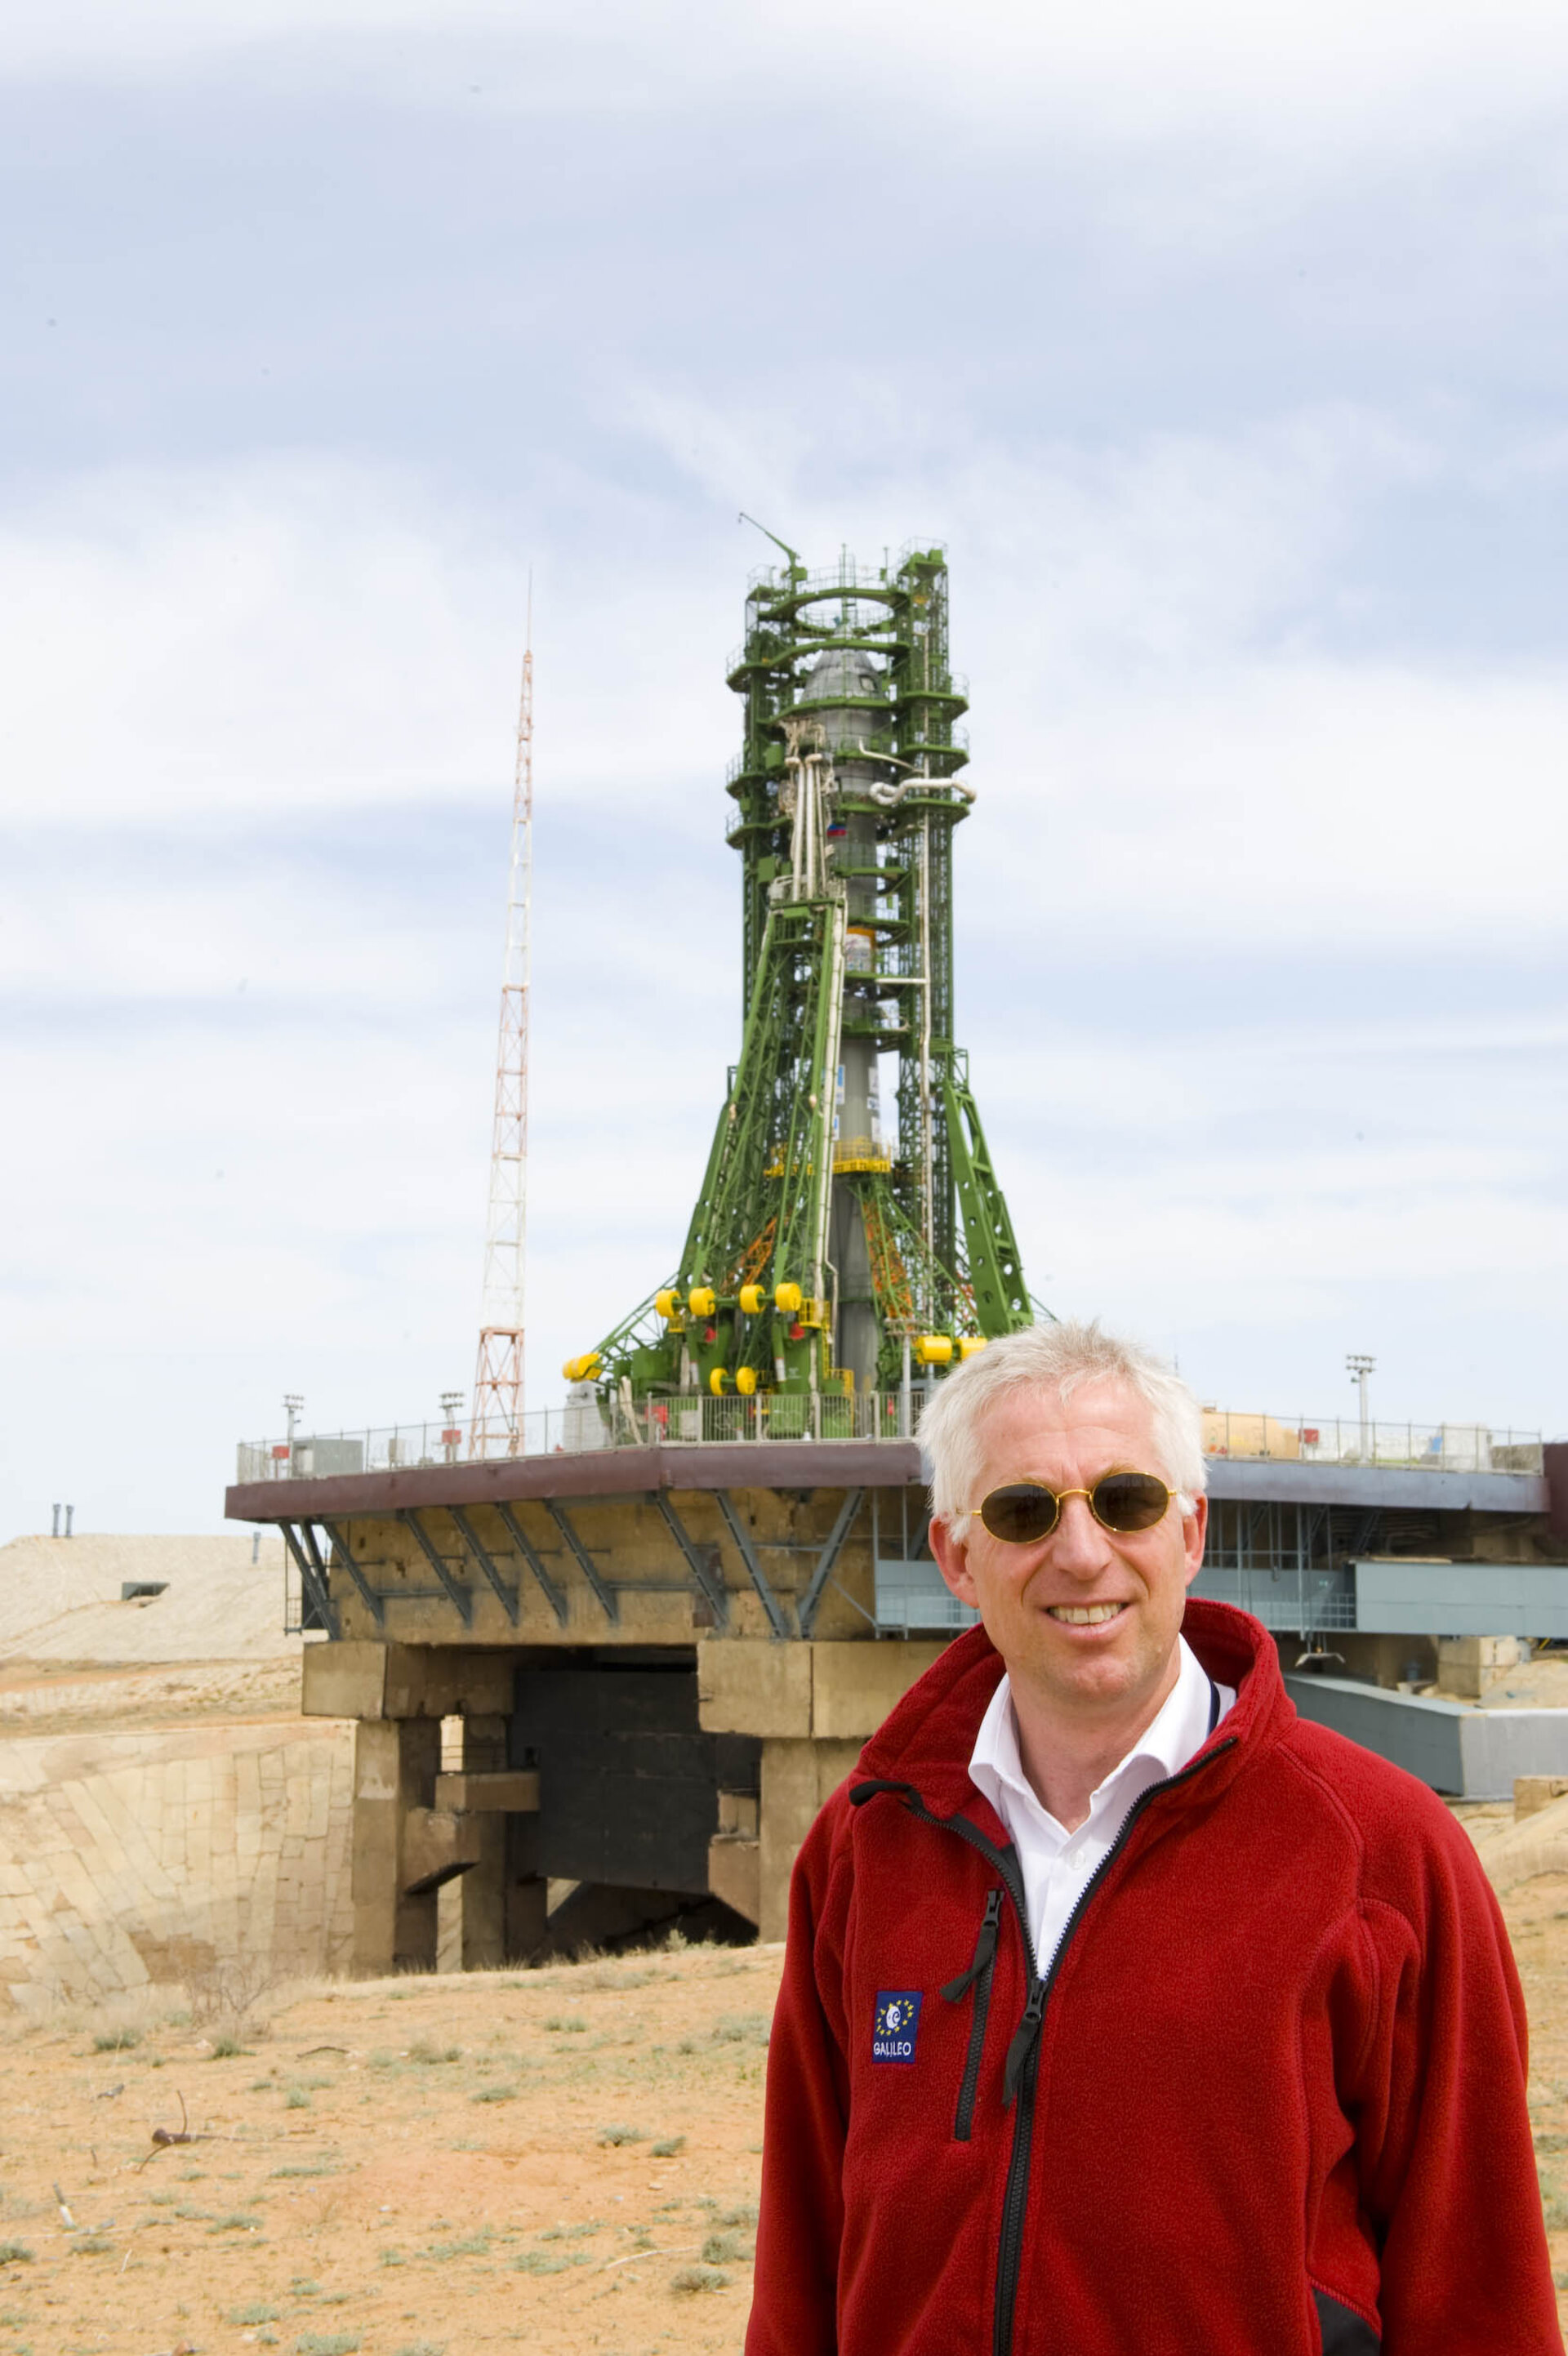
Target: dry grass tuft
{"points": [[689, 2279]]}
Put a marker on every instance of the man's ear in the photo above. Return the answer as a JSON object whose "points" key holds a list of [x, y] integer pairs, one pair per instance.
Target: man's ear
{"points": [[1194, 1529], [952, 1561]]}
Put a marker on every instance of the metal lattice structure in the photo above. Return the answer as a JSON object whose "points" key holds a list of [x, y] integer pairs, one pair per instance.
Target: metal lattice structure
{"points": [[496, 1421], [826, 1246]]}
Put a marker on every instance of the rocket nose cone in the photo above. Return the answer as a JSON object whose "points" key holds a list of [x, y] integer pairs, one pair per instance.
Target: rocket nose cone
{"points": [[841, 670]]}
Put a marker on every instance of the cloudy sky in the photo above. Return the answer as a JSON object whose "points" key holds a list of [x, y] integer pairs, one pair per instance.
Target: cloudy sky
{"points": [[1225, 350]]}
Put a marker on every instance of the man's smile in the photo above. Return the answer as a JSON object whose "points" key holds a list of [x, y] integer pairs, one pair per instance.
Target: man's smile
{"points": [[1084, 1615]]}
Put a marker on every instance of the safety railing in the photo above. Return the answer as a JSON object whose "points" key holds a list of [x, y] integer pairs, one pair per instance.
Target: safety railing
{"points": [[696, 1419], [1432, 1447]]}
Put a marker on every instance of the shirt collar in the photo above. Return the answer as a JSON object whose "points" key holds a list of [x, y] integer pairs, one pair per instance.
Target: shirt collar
{"points": [[1177, 1732]]}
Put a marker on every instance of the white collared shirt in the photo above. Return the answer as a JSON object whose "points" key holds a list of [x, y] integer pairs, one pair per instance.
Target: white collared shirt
{"points": [[1057, 1865]]}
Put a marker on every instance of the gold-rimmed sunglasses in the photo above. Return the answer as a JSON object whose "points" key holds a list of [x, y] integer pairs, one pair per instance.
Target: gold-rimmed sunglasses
{"points": [[1025, 1511]]}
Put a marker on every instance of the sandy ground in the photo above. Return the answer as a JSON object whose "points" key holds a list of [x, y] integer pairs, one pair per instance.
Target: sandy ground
{"points": [[564, 2160], [51, 1698], [560, 2160], [222, 1598]]}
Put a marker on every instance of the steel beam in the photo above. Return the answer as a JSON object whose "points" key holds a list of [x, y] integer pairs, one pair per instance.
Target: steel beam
{"points": [[507, 1595], [524, 1545], [713, 1588], [754, 1570], [313, 1580], [812, 1600], [463, 1597], [589, 1569], [374, 1604]]}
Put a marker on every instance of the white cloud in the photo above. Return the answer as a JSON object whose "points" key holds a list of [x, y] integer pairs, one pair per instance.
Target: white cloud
{"points": [[277, 636], [1305, 804], [1400, 69]]}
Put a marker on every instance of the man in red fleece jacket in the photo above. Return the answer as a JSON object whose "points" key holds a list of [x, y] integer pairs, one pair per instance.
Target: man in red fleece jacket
{"points": [[1124, 2013]]}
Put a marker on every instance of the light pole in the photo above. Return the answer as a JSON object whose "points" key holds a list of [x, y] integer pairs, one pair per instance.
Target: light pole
{"points": [[1359, 1365], [292, 1403], [451, 1435]]}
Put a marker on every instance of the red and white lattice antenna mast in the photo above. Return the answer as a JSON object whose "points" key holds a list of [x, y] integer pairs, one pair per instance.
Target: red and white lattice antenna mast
{"points": [[496, 1425]]}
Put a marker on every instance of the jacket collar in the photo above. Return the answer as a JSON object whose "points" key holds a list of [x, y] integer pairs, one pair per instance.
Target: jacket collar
{"points": [[928, 1739]]}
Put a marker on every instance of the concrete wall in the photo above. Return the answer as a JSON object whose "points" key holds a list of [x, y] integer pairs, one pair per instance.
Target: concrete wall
{"points": [[1471, 1754], [1462, 1599], [170, 1859]]}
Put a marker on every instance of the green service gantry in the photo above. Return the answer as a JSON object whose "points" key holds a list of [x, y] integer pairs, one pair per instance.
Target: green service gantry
{"points": [[830, 1246]]}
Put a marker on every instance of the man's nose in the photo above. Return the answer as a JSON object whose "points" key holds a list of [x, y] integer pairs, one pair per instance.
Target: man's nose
{"points": [[1078, 1542]]}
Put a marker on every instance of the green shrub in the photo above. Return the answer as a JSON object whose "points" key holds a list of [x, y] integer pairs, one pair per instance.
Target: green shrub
{"points": [[667, 2147], [117, 2040], [618, 2135]]}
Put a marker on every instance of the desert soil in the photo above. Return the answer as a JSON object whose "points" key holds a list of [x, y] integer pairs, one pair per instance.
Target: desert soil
{"points": [[564, 2160]]}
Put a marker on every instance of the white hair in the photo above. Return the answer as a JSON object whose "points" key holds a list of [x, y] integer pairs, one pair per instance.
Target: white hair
{"points": [[1062, 1357]]}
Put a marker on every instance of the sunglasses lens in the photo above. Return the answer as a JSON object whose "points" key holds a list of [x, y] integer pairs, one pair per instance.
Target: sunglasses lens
{"points": [[1130, 1501], [1020, 1515]]}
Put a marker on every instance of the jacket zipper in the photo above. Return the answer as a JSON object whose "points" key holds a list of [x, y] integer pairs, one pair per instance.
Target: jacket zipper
{"points": [[1020, 2071], [978, 1976]]}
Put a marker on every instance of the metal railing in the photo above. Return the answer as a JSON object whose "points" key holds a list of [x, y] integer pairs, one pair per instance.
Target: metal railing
{"points": [[696, 1419], [1432, 1447]]}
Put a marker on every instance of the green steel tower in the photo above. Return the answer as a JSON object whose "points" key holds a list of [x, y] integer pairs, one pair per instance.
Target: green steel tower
{"points": [[837, 1235]]}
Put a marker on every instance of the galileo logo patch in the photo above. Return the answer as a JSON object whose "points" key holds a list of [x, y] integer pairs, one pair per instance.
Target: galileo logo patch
{"points": [[898, 2019]]}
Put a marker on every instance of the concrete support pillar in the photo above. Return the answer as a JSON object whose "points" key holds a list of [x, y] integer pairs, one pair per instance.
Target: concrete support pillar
{"points": [[812, 1706], [527, 1892], [735, 1855], [395, 1765], [797, 1777], [1468, 1666], [481, 1891]]}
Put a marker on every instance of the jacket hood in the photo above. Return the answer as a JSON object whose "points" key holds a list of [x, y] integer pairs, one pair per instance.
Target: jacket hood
{"points": [[928, 1739]]}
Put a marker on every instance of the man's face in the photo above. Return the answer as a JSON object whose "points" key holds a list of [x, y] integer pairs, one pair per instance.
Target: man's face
{"points": [[1031, 1597]]}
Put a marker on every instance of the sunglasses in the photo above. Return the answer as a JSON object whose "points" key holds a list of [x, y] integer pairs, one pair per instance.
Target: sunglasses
{"points": [[1025, 1511]]}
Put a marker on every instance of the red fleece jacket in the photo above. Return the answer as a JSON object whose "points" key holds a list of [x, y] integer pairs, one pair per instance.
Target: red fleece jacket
{"points": [[1269, 2099]]}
